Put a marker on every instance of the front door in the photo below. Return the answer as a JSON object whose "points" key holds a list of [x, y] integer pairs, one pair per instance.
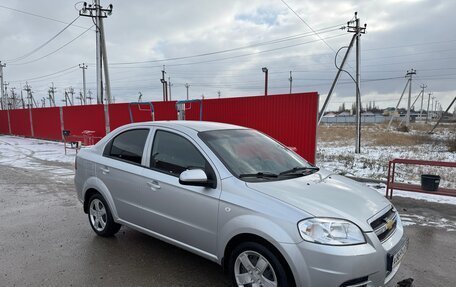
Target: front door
{"points": [[184, 213]]}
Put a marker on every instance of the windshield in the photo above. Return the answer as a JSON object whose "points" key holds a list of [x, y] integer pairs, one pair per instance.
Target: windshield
{"points": [[253, 156]]}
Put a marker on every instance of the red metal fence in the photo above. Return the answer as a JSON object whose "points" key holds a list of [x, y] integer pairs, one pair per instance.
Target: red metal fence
{"points": [[289, 118]]}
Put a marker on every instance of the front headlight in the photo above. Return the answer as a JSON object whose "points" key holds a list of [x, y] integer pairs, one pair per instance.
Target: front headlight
{"points": [[330, 231]]}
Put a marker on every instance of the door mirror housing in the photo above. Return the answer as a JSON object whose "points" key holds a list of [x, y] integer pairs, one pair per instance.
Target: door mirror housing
{"points": [[196, 177]]}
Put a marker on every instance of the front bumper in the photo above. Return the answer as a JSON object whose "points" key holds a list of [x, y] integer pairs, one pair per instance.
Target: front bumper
{"points": [[322, 265]]}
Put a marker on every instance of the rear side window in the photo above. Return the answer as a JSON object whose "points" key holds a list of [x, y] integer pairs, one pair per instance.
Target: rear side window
{"points": [[174, 154], [128, 146]]}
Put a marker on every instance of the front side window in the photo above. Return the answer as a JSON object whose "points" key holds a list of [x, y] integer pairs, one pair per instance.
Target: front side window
{"points": [[128, 146], [174, 154]]}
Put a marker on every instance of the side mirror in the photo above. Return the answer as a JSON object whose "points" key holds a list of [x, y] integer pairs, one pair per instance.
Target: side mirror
{"points": [[195, 177]]}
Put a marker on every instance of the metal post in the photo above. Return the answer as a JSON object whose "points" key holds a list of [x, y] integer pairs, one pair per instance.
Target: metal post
{"points": [[291, 81], [187, 86], [83, 66], [265, 71], [165, 88], [62, 125], [410, 75], [4, 105], [423, 86], [98, 51], [104, 55], [169, 85], [358, 95], [9, 121], [429, 101], [31, 123]]}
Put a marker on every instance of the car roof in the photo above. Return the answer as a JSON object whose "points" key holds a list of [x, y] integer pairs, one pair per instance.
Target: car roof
{"points": [[199, 126]]}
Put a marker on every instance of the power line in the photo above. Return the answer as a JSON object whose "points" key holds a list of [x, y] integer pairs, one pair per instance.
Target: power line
{"points": [[275, 41], [48, 75], [42, 45], [244, 55], [40, 16], [297, 15], [55, 51], [408, 45]]}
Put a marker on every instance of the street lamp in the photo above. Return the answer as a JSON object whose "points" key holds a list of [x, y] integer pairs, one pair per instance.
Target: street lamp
{"points": [[265, 71]]}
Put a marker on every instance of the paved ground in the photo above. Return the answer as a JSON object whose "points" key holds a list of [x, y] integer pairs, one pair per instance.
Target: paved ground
{"points": [[45, 240]]}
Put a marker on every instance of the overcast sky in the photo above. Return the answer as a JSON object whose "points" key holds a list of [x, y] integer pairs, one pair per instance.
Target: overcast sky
{"points": [[401, 35]]}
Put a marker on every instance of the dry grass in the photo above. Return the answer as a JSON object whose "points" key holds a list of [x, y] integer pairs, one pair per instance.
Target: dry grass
{"points": [[376, 135]]}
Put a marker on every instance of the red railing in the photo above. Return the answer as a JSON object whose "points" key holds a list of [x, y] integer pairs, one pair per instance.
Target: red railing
{"points": [[391, 184]]}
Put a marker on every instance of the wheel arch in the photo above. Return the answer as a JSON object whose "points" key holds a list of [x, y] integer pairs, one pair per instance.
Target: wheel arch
{"points": [[94, 185], [250, 237]]}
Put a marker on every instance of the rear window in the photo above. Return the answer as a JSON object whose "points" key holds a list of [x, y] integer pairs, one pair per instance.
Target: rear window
{"points": [[128, 146]]}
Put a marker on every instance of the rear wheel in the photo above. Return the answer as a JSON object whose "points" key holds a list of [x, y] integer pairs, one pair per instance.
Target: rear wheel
{"points": [[100, 217], [253, 265]]}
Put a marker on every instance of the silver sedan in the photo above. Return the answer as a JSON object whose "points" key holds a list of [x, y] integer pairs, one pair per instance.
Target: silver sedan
{"points": [[240, 198]]}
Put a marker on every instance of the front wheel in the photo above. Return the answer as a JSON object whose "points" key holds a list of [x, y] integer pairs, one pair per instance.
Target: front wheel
{"points": [[100, 217], [253, 265]]}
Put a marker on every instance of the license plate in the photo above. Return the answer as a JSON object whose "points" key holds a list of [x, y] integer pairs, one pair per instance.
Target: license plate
{"points": [[395, 258]]}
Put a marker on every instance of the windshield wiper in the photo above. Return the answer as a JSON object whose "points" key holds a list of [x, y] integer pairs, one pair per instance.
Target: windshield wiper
{"points": [[261, 174], [299, 170]]}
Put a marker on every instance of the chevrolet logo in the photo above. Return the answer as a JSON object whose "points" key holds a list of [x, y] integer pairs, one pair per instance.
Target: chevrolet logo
{"points": [[389, 224]]}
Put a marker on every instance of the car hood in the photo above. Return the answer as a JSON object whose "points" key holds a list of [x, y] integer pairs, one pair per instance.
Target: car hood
{"points": [[323, 194]]}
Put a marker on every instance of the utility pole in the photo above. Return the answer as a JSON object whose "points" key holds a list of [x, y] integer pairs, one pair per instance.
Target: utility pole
{"points": [[410, 76], [358, 32], [13, 97], [81, 98], [423, 86], [30, 98], [429, 101], [22, 95], [291, 81], [398, 103], [187, 86], [169, 85], [90, 97], [1, 83], [265, 71], [5, 94], [71, 92], [97, 12], [51, 92], [83, 67], [443, 113], [165, 85]]}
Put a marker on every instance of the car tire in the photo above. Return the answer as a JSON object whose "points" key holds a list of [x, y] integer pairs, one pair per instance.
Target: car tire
{"points": [[100, 217], [253, 263]]}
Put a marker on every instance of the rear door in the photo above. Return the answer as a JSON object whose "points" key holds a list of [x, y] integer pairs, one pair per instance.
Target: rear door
{"points": [[120, 169], [185, 213]]}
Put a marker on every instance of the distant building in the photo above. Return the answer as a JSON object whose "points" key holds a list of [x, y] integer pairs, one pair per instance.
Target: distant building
{"points": [[343, 114]]}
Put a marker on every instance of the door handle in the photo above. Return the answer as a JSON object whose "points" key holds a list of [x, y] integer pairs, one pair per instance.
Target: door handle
{"points": [[154, 185], [104, 170]]}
